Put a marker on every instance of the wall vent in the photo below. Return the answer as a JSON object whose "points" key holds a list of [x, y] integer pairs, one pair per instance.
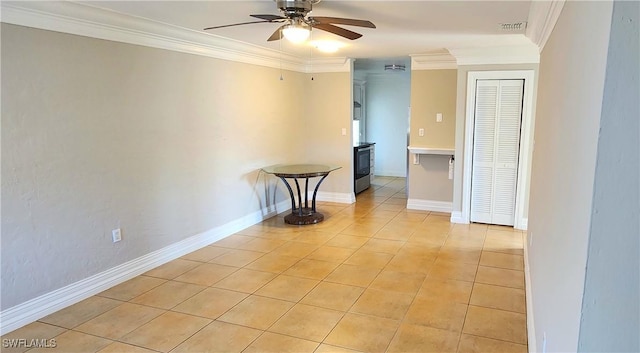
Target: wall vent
{"points": [[515, 26]]}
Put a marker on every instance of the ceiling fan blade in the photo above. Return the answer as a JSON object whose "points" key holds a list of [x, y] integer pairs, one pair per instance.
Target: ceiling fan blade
{"points": [[235, 24], [337, 30], [269, 18], [277, 35], [342, 21]]}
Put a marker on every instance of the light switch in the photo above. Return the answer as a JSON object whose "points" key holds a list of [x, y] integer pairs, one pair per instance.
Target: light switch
{"points": [[420, 132], [344, 131], [439, 117]]}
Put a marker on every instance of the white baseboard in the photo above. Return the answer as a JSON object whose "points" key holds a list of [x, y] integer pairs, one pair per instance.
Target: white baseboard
{"points": [[429, 205], [37, 308], [456, 217], [531, 328], [522, 225], [391, 173], [338, 197]]}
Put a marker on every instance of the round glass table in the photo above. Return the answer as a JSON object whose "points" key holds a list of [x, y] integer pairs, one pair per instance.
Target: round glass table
{"points": [[301, 214]]}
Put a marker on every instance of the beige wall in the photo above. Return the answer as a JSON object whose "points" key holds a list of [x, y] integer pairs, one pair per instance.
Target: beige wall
{"points": [[461, 109], [98, 135], [432, 91], [570, 91], [327, 110]]}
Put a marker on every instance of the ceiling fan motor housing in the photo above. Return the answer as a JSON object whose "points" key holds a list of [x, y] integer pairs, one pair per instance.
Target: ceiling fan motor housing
{"points": [[294, 8]]}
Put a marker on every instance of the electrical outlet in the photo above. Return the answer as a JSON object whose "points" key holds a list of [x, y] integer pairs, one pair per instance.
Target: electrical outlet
{"points": [[420, 132], [439, 117], [116, 235]]}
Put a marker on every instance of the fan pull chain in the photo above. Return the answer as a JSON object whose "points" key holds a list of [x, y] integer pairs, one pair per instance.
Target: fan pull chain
{"points": [[311, 53]]}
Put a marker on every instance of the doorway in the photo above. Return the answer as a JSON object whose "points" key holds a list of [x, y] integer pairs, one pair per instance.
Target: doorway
{"points": [[514, 178]]}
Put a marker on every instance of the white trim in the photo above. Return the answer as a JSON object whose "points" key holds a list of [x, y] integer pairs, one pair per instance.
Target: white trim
{"points": [[543, 16], [391, 173], [526, 140], [338, 197], [429, 205], [516, 54], [37, 308], [523, 224], [531, 328], [456, 217], [433, 61], [86, 20]]}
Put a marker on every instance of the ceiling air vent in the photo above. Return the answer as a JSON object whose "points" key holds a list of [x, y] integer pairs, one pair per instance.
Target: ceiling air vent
{"points": [[515, 26]]}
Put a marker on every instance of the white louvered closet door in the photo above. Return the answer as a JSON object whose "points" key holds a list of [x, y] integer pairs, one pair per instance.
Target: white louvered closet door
{"points": [[496, 145]]}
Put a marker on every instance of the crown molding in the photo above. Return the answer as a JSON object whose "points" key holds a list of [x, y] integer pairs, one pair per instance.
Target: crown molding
{"points": [[441, 60], [88, 21], [543, 16], [520, 54]]}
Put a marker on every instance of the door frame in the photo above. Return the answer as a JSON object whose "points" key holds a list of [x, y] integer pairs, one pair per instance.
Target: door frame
{"points": [[526, 140]]}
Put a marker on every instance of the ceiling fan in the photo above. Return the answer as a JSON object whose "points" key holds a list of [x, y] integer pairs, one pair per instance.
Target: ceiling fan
{"points": [[297, 25]]}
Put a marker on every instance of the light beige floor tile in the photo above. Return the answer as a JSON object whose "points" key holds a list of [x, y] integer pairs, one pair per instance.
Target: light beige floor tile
{"points": [[172, 269], [461, 255], [391, 305], [233, 241], [219, 337], [307, 322], [276, 343], [347, 241], [353, 275], [257, 312], [236, 258], [423, 339], [210, 303], [333, 296], [331, 254], [411, 264], [504, 242], [74, 342], [35, 330], [118, 347], [295, 249], [508, 261], [206, 274], [80, 312], [475, 344], [246, 281], [436, 288], [453, 270], [371, 259], [119, 321], [205, 254], [317, 237], [327, 348], [287, 288], [394, 233], [383, 245], [497, 297], [363, 333], [497, 324], [439, 313], [132, 288], [273, 263], [168, 295], [313, 269], [408, 283], [431, 237], [500, 277], [262, 244], [166, 331], [363, 230]]}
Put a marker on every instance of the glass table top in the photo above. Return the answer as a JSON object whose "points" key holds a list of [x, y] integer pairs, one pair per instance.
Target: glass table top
{"points": [[299, 170]]}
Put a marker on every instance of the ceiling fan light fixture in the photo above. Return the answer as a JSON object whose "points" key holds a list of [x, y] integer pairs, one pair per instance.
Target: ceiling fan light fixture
{"points": [[296, 33]]}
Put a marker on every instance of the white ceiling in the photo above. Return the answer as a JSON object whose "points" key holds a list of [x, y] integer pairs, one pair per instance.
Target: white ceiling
{"points": [[403, 27]]}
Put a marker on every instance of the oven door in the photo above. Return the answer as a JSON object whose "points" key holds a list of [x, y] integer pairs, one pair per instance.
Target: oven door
{"points": [[362, 166]]}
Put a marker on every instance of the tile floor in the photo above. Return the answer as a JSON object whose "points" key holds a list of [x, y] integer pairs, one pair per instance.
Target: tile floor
{"points": [[373, 277]]}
